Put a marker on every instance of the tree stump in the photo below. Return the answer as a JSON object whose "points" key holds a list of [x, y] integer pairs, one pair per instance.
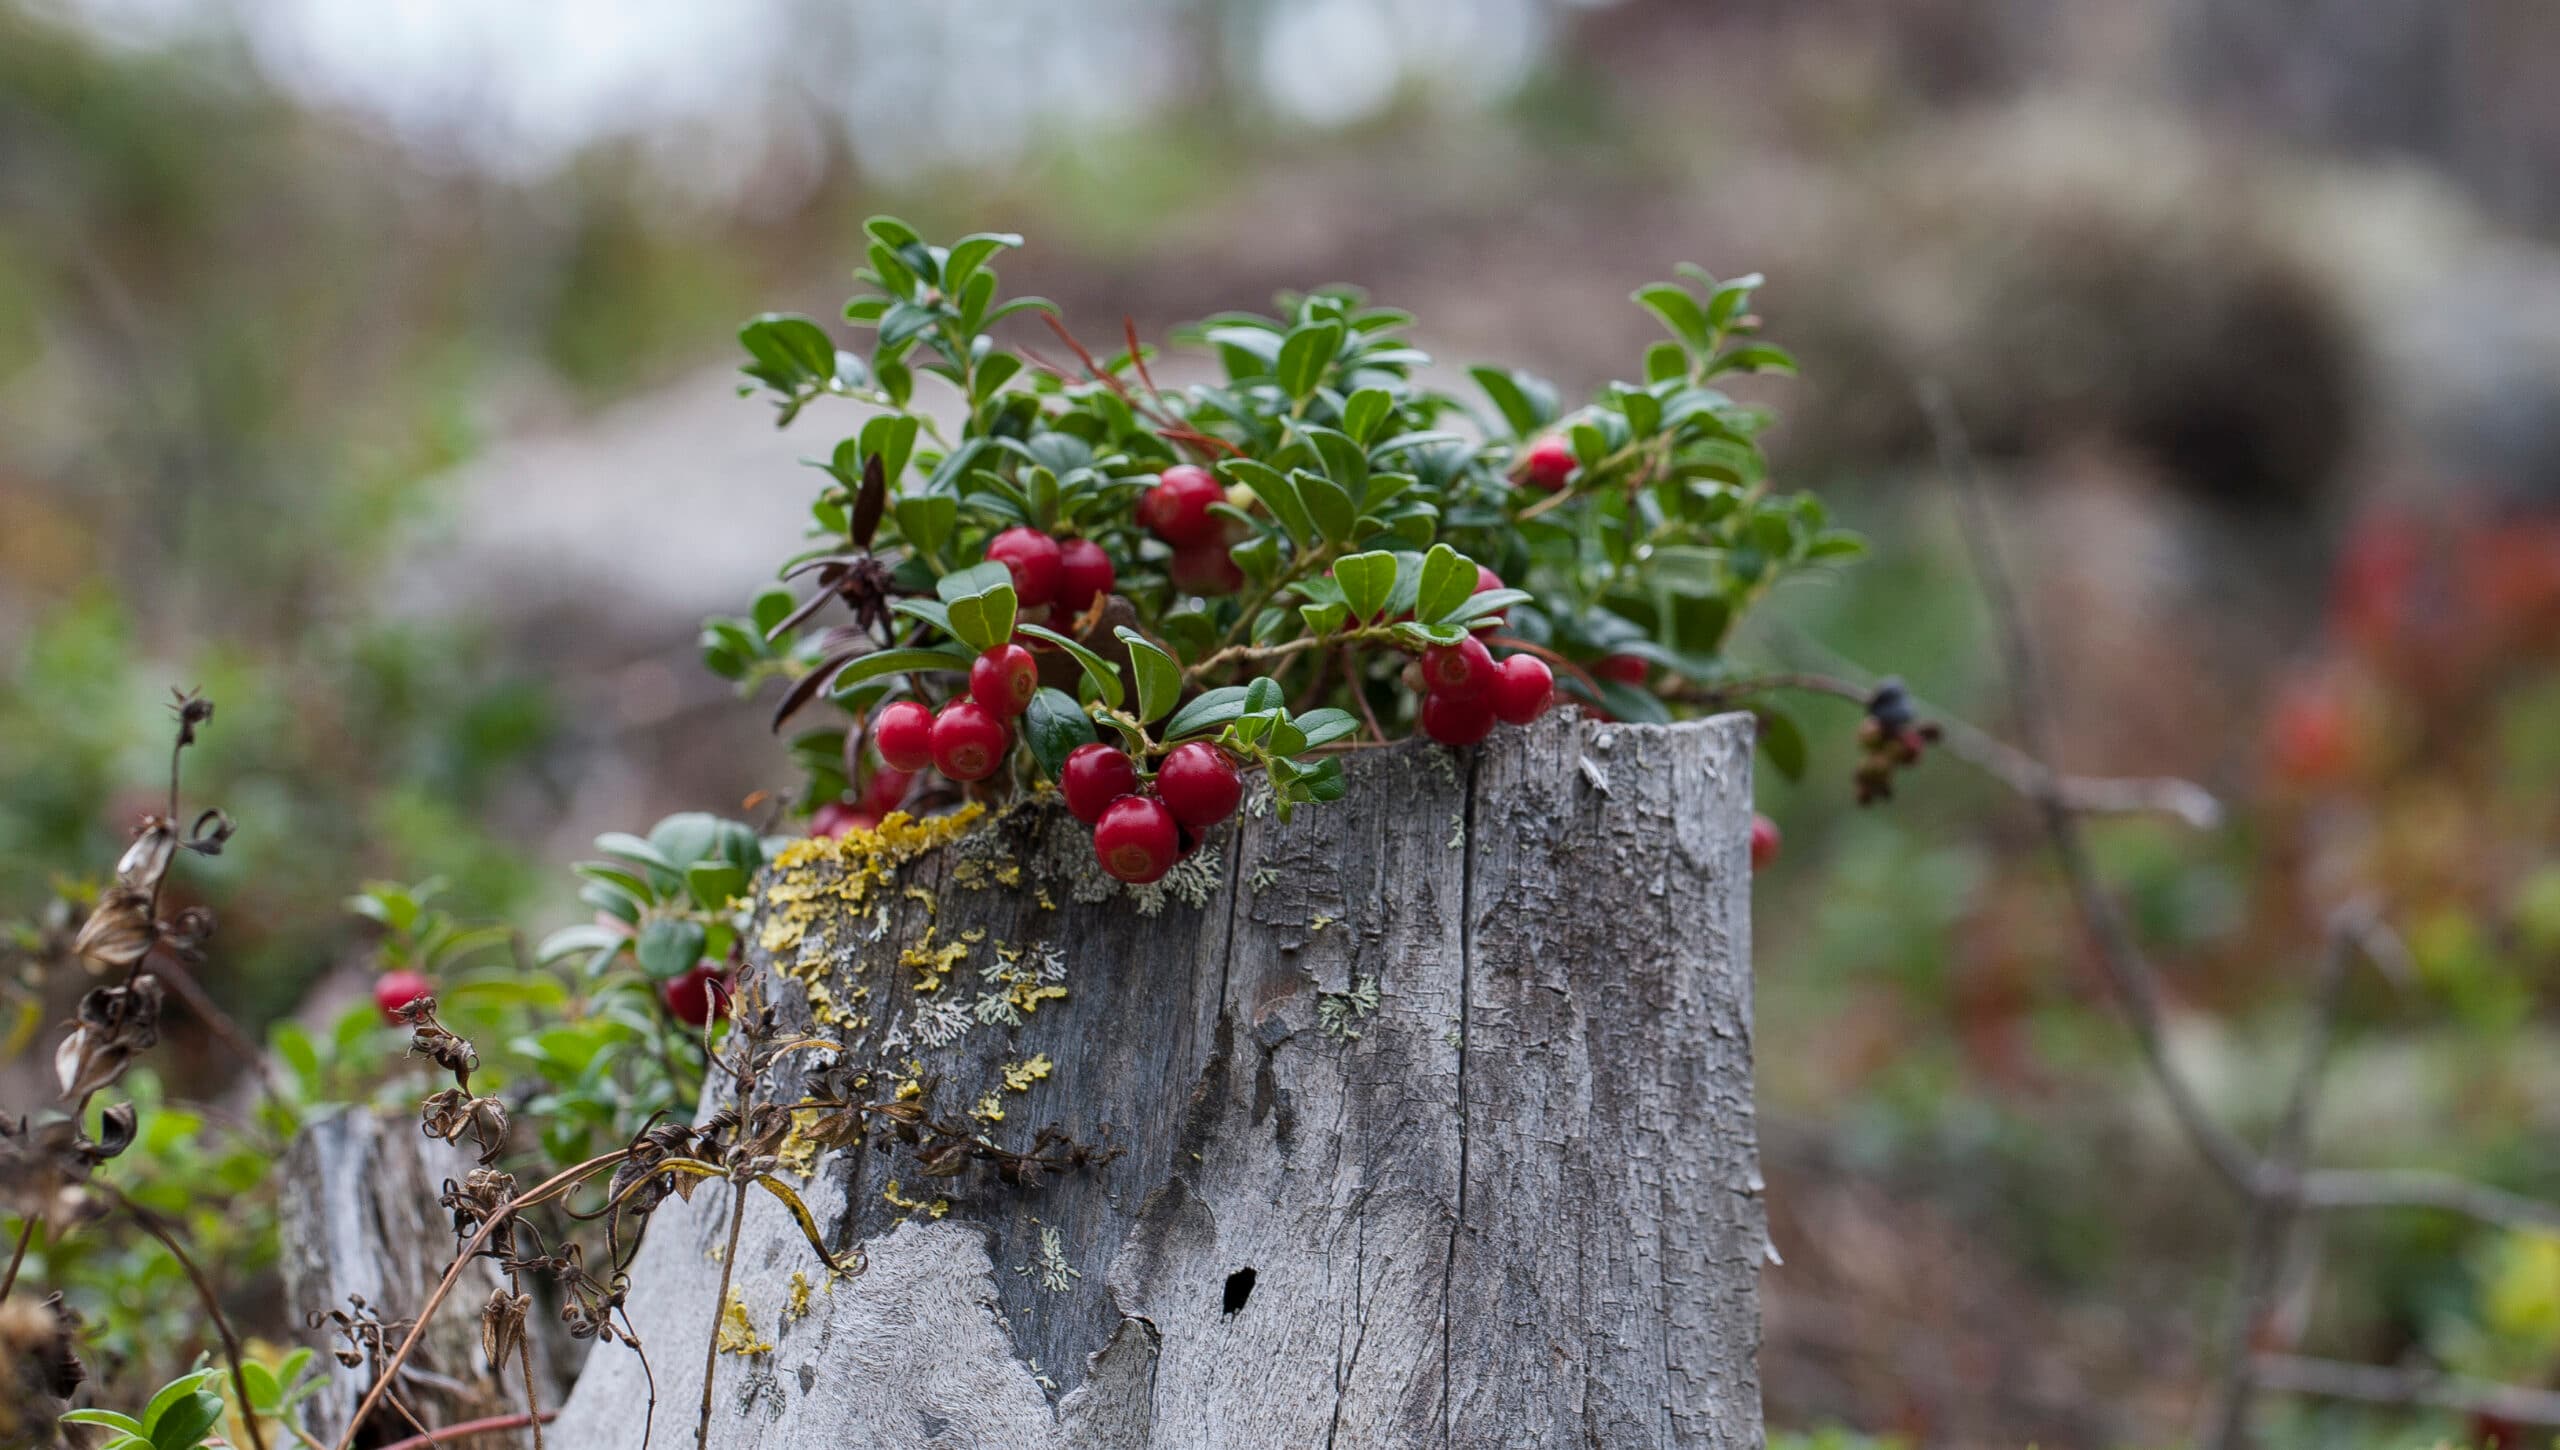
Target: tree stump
{"points": [[1433, 1107]]}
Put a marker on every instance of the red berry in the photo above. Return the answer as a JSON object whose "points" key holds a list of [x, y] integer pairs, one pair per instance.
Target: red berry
{"points": [[1176, 510], [1486, 582], [1455, 721], [1550, 463], [969, 741], [1523, 687], [1625, 669], [395, 990], [1463, 671], [1093, 777], [697, 996], [1206, 568], [903, 734], [1084, 575], [889, 787], [839, 818], [1764, 841], [1004, 679], [1136, 840], [1032, 557], [1199, 784]]}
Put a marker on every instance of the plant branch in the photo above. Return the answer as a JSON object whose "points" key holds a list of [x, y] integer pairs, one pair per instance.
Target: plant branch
{"points": [[2128, 972], [2415, 1385], [152, 1225], [719, 1310], [467, 1428], [26, 1235]]}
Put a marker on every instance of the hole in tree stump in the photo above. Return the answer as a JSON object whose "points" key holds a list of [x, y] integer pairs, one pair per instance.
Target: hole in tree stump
{"points": [[1239, 1288]]}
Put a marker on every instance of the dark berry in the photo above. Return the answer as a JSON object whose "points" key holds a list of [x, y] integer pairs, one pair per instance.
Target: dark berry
{"points": [[1136, 840], [969, 741], [1764, 841], [1199, 784], [1550, 463], [839, 818], [1454, 721], [1084, 575], [1625, 669], [1176, 510], [1004, 679], [395, 990], [889, 786], [1463, 671], [1206, 568], [1032, 557], [1523, 687], [697, 996], [903, 734], [1093, 777]]}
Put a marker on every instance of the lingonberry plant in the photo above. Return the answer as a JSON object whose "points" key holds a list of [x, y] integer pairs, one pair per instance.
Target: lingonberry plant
{"points": [[1060, 571]]}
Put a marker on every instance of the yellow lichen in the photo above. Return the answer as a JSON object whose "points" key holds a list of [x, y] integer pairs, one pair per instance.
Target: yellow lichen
{"points": [[933, 963], [737, 1332], [897, 1200], [988, 1110], [799, 1152], [797, 1306], [1020, 1076], [913, 1087]]}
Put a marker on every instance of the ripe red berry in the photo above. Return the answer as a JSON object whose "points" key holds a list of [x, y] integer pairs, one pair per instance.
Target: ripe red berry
{"points": [[1084, 575], [1550, 463], [903, 734], [1453, 720], [395, 990], [1463, 671], [697, 996], [1176, 510], [1136, 840], [1093, 777], [1004, 679], [889, 787], [1199, 784], [1206, 568], [836, 819], [969, 741], [1523, 687], [1625, 669], [1032, 557], [1764, 841], [1487, 581]]}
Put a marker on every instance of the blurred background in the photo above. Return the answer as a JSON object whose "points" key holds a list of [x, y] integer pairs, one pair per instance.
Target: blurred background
{"points": [[369, 365]]}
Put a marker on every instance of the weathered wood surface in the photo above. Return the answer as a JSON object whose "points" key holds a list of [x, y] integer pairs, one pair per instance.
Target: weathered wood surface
{"points": [[1457, 1071], [364, 1221]]}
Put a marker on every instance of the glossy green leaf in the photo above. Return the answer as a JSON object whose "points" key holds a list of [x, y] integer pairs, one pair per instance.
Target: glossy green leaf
{"points": [[1053, 726], [1159, 676], [1103, 673], [669, 947]]}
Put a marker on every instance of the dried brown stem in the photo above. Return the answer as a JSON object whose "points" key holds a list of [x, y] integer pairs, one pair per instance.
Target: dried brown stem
{"points": [[719, 1309], [556, 1183], [152, 1225], [469, 1428], [26, 1235]]}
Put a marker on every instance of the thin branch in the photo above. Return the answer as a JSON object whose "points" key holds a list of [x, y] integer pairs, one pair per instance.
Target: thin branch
{"points": [[2416, 1385], [2128, 972], [2333, 1190], [450, 1433], [26, 1235], [2275, 1206], [152, 1225], [719, 1311]]}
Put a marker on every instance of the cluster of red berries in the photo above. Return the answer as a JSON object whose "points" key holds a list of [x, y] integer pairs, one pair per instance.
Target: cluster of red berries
{"points": [[1065, 575], [969, 737], [1465, 689], [1139, 836]]}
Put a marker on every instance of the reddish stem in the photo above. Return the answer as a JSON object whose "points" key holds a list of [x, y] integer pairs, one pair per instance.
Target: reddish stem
{"points": [[516, 1421]]}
